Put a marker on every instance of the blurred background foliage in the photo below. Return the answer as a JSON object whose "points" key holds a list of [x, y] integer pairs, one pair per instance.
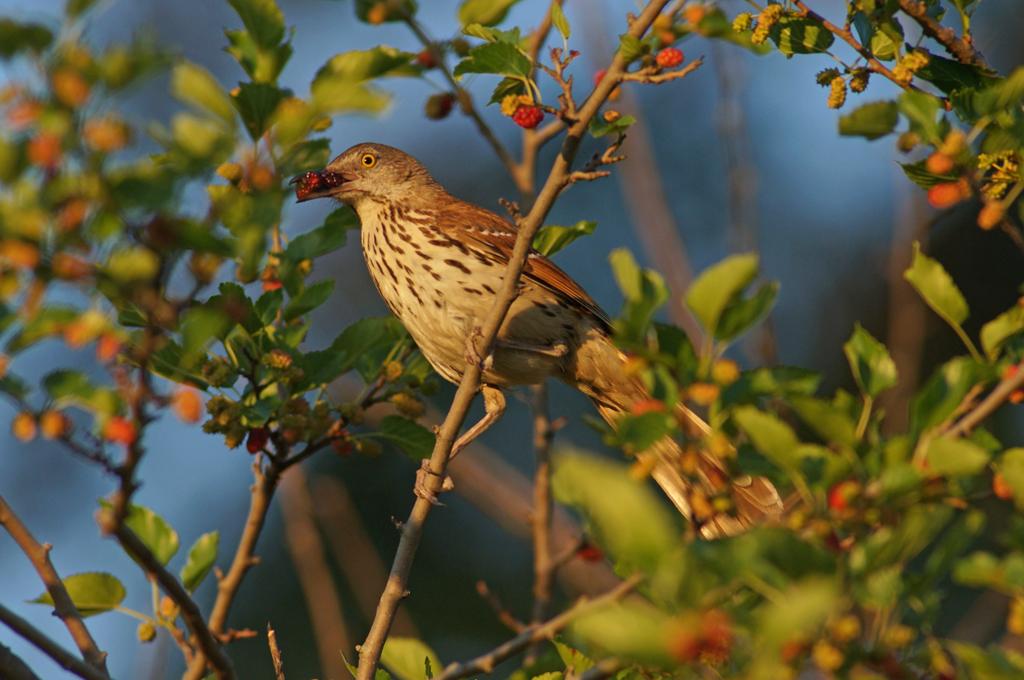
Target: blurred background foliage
{"points": [[744, 154]]}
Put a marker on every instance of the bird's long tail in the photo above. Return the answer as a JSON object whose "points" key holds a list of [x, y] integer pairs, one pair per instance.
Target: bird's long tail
{"points": [[598, 369]]}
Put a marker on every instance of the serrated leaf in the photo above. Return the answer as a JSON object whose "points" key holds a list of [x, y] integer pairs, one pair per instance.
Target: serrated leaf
{"points": [[256, 103], [309, 299], [263, 20], [324, 239], [870, 363], [934, 284], [196, 86], [922, 177], [871, 121], [498, 57], [800, 35], [409, 659], [262, 63], [955, 457], [551, 239], [352, 345], [152, 529], [413, 439], [201, 557], [511, 36], [484, 12], [719, 285], [627, 519], [91, 592]]}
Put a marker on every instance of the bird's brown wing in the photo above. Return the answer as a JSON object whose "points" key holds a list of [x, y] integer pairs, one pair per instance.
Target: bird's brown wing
{"points": [[495, 237]]}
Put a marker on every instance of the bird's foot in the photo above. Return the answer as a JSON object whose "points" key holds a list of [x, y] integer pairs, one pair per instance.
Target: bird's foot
{"points": [[422, 487]]}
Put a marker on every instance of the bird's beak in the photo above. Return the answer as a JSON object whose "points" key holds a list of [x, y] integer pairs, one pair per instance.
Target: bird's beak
{"points": [[316, 184]]}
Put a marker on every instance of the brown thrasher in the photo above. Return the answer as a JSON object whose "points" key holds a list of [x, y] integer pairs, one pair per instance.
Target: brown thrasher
{"points": [[438, 262]]}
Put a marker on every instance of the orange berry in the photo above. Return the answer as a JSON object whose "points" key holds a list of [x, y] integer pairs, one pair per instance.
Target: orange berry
{"points": [[5, 362], [647, 406], [991, 215], [261, 178], [716, 634], [840, 495], [78, 334], [694, 14], [44, 150], [684, 643], [105, 134], [69, 267], [939, 163], [187, 405], [377, 14], [948, 194], [72, 214], [24, 114], [107, 347], [19, 254], [1001, 488], [271, 284], [703, 394], [725, 371], [120, 431], [53, 424], [69, 88], [23, 427], [1017, 396], [1010, 370]]}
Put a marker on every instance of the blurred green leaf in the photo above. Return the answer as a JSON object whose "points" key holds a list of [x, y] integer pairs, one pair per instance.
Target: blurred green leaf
{"points": [[955, 457], [719, 285], [1000, 329], [91, 592], [559, 21], [498, 57], [377, 62], [943, 392], [827, 421], [741, 314], [256, 103], [50, 320], [551, 239], [1011, 466], [132, 264], [574, 660], [772, 437], [413, 439], [262, 63], [630, 48], [991, 663], [199, 326], [75, 8], [201, 557], [396, 10], [309, 299], [410, 659], [636, 434], [69, 387], [800, 35], [599, 127], [152, 529], [872, 121], [624, 515], [870, 363], [985, 570], [921, 110], [633, 630], [337, 94], [262, 19], [195, 85], [18, 37], [484, 12], [796, 614]]}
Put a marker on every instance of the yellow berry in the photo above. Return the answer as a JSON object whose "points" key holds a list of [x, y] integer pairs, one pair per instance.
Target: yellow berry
{"points": [[725, 372], [845, 628], [837, 93], [146, 631], [703, 394], [827, 656]]}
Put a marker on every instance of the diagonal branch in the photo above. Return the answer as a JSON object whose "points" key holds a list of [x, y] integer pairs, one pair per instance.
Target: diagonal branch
{"points": [[63, 606], [61, 656], [989, 404], [13, 668], [960, 48], [412, 530]]}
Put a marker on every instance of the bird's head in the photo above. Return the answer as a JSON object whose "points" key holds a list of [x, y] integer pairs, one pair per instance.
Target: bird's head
{"points": [[368, 172]]}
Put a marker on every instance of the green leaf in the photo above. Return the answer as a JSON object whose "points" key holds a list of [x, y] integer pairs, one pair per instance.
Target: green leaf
{"points": [[830, 423], [201, 557], [511, 36], [600, 127], [991, 663], [559, 21], [626, 518], [152, 529], [921, 110], [498, 57], [920, 175], [800, 35], [1000, 329], [324, 239], [719, 285], [645, 291], [69, 387], [636, 434], [743, 313], [551, 239], [1011, 466], [337, 94], [631, 48], [797, 612], [936, 286], [262, 64], [484, 12], [870, 363], [200, 326], [633, 629], [256, 103], [358, 66], [872, 121], [131, 264], [195, 85], [91, 592], [772, 437], [398, 9], [75, 8], [413, 439], [309, 299], [410, 659], [955, 457], [354, 344], [943, 392], [952, 77], [50, 320], [263, 19], [18, 37]]}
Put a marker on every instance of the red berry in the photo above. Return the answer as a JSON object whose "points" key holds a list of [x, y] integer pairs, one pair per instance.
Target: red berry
{"points": [[670, 57], [589, 553], [257, 440], [426, 59], [528, 117]]}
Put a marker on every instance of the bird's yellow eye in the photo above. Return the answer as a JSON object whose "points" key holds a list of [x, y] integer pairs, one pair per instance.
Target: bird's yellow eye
{"points": [[368, 160]]}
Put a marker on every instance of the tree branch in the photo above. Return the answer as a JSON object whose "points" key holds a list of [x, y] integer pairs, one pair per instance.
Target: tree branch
{"points": [[13, 668], [535, 633], [960, 48], [989, 404], [209, 646], [61, 656], [63, 606], [412, 530]]}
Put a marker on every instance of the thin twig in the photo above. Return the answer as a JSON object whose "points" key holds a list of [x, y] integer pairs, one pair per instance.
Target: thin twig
{"points": [[605, 668], [543, 566], [64, 658], [989, 404], [960, 48], [507, 618], [485, 663], [323, 603], [412, 529], [275, 653], [63, 606]]}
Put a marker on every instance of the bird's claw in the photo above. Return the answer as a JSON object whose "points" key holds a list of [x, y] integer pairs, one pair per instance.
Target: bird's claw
{"points": [[422, 488]]}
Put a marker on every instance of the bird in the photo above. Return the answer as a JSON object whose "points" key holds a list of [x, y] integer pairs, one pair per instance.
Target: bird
{"points": [[438, 263]]}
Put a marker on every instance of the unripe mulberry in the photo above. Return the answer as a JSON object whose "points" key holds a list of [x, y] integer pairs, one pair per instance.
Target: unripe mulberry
{"points": [[766, 20], [837, 93], [438, 106], [528, 117], [826, 76], [742, 22], [670, 57], [146, 631], [859, 80]]}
